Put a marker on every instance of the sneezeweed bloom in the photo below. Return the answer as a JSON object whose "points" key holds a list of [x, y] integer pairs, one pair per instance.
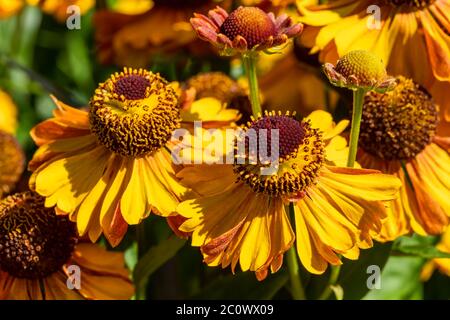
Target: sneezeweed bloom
{"points": [[10, 8], [410, 36], [12, 162], [359, 69], [216, 85], [240, 216], [111, 166], [131, 6], [398, 137], [361, 72], [442, 264], [134, 39], [38, 248], [214, 98], [59, 8], [245, 29]]}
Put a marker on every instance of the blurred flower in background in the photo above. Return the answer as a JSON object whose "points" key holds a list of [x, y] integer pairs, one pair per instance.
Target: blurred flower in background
{"points": [[132, 38], [290, 84], [12, 162], [232, 100], [59, 8], [443, 265], [8, 113], [268, 5], [56, 8], [10, 7]]}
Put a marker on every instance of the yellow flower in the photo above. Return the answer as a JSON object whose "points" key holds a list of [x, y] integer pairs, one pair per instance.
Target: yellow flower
{"points": [[286, 82], [268, 5], [215, 99], [244, 29], [58, 8], [8, 113], [9, 8], [132, 40], [442, 264], [12, 162], [240, 215], [398, 137], [132, 6], [111, 166], [411, 37], [39, 251], [359, 69]]}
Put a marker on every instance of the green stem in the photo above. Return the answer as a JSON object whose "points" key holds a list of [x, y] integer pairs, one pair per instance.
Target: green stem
{"points": [[358, 99], [250, 67], [297, 291], [335, 271]]}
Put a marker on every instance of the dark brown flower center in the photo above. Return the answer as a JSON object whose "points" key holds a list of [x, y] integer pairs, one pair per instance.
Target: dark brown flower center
{"points": [[399, 124], [411, 3], [290, 134], [134, 113], [132, 87], [301, 155], [34, 241], [251, 23]]}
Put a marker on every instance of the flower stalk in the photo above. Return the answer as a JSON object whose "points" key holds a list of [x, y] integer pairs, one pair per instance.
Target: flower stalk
{"points": [[358, 101], [250, 61], [297, 291]]}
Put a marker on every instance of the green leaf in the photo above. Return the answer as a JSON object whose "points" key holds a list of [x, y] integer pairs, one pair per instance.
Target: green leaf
{"points": [[426, 252], [400, 279], [131, 256], [79, 66], [354, 274], [155, 257], [244, 286]]}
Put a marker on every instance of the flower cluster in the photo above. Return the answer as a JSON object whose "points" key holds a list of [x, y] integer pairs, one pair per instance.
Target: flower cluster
{"points": [[227, 123]]}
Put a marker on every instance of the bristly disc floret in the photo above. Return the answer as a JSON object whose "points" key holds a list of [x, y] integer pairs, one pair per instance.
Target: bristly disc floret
{"points": [[359, 69], [180, 3], [134, 113], [34, 241], [399, 124], [300, 155], [251, 23]]}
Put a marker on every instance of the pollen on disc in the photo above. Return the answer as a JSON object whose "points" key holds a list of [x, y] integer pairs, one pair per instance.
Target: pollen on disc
{"points": [[253, 24], [132, 87]]}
